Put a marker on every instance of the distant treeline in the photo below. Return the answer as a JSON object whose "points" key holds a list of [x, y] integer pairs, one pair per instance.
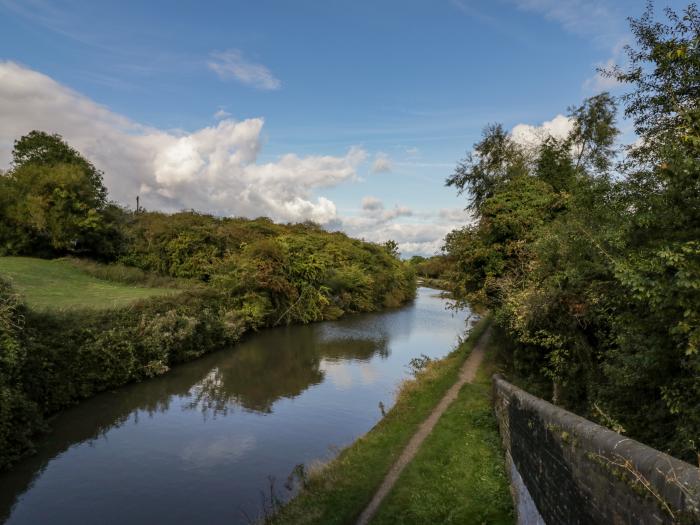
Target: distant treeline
{"points": [[236, 275], [589, 254]]}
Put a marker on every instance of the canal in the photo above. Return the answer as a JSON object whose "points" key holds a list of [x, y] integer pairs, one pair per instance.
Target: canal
{"points": [[206, 441]]}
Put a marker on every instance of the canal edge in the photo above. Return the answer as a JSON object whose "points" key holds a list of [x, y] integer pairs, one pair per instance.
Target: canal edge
{"points": [[467, 374]]}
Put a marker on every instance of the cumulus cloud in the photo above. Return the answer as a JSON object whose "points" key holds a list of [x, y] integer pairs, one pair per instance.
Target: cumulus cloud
{"points": [[232, 64], [416, 233], [382, 163], [459, 215], [373, 209], [213, 169], [422, 238], [527, 135]]}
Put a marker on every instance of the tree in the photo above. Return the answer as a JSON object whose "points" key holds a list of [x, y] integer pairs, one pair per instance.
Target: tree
{"points": [[495, 159], [41, 148], [58, 204], [594, 133], [664, 69], [392, 248], [53, 202], [596, 279]]}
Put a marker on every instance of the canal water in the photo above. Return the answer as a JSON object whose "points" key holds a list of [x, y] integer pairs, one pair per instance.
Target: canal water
{"points": [[206, 441]]}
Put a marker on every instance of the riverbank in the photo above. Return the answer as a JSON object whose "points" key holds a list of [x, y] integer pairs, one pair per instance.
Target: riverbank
{"points": [[67, 335], [338, 492]]}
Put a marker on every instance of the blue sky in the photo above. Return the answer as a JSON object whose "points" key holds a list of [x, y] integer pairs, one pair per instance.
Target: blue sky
{"points": [[350, 113]]}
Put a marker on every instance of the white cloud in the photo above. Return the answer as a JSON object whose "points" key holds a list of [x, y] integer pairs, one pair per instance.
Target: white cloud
{"points": [[599, 82], [221, 114], [413, 238], [213, 169], [373, 212], [559, 127], [382, 163], [416, 233], [459, 215], [232, 64]]}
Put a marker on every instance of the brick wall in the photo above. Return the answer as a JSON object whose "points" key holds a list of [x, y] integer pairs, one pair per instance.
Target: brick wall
{"points": [[568, 470]]}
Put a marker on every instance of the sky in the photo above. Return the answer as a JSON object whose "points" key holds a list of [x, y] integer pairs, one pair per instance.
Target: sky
{"points": [[348, 113]]}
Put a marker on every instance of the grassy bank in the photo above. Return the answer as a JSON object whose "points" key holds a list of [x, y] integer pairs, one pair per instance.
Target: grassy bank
{"points": [[458, 475], [338, 492], [59, 284]]}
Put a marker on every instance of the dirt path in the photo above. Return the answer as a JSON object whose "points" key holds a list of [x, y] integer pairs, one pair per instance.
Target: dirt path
{"points": [[466, 375]]}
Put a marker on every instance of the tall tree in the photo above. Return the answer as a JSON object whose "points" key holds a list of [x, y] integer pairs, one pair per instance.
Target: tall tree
{"points": [[54, 202], [41, 148], [664, 70], [494, 160], [593, 135]]}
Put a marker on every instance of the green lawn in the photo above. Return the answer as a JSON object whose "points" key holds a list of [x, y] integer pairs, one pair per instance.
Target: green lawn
{"points": [[338, 493], [56, 284]]}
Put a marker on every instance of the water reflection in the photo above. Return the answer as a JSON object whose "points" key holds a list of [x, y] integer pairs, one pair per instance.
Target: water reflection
{"points": [[199, 442], [279, 363]]}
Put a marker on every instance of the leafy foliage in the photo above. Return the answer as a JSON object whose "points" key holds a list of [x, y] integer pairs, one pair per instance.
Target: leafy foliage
{"points": [[53, 202], [292, 273], [594, 274]]}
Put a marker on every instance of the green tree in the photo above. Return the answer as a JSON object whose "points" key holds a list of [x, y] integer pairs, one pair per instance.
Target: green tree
{"points": [[664, 69], [392, 248], [594, 133], [494, 160], [595, 277], [41, 148], [57, 204], [54, 202]]}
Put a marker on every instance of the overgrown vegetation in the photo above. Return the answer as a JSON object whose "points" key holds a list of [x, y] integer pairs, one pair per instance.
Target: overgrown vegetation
{"points": [[591, 262], [339, 491], [433, 271], [166, 289]]}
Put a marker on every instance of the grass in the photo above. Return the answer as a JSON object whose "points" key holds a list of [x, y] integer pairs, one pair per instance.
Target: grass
{"points": [[129, 275], [59, 285], [458, 475], [338, 492]]}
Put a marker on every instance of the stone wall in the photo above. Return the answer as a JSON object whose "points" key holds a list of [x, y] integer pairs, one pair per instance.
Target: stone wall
{"points": [[567, 470]]}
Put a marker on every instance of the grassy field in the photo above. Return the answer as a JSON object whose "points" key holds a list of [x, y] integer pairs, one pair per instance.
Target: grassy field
{"points": [[58, 284], [337, 493]]}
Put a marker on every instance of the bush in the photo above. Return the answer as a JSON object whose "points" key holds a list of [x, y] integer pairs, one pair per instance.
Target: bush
{"points": [[20, 418]]}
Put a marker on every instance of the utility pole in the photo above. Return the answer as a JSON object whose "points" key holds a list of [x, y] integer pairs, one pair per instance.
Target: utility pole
{"points": [[137, 204]]}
